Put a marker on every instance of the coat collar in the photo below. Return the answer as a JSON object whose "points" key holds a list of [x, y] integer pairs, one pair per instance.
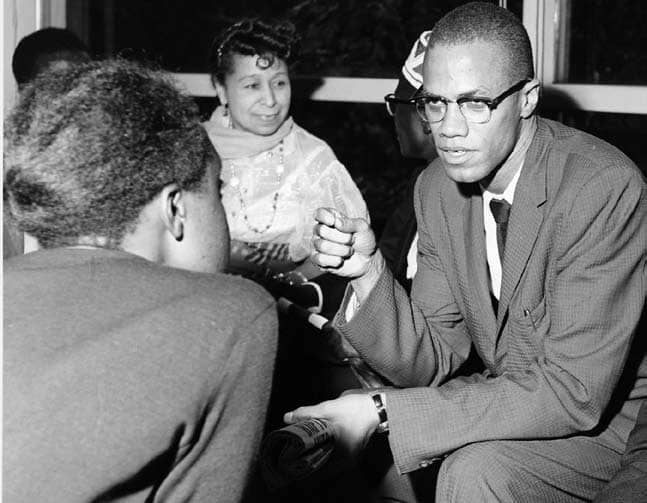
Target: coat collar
{"points": [[526, 217]]}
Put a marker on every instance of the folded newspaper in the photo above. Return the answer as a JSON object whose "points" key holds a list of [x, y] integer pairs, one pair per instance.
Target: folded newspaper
{"points": [[296, 451]]}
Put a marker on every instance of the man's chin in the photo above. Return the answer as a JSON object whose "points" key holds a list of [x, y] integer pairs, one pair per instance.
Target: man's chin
{"points": [[463, 174]]}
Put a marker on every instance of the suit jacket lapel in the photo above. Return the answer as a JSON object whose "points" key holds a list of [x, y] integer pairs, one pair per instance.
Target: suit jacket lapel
{"points": [[469, 226], [526, 218]]}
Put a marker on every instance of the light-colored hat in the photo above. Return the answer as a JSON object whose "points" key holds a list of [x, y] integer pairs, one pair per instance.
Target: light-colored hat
{"points": [[412, 68]]}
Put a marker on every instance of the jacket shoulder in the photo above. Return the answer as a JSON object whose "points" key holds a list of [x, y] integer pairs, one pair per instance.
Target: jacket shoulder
{"points": [[585, 155]]}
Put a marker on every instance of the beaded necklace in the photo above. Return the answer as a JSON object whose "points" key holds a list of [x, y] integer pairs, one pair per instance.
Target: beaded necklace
{"points": [[235, 182]]}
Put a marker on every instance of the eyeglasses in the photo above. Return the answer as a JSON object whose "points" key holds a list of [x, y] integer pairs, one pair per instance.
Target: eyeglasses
{"points": [[391, 100], [433, 108]]}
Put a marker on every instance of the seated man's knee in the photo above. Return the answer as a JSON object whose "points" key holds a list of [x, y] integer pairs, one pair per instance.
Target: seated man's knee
{"points": [[476, 472]]}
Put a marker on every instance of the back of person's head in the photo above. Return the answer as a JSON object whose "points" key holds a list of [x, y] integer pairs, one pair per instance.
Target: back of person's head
{"points": [[487, 22], [88, 146], [43, 48], [270, 38]]}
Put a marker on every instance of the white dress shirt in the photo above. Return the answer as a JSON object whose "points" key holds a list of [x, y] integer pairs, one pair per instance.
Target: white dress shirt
{"points": [[492, 249]]}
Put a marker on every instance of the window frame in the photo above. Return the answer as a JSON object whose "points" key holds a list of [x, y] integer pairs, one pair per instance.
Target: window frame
{"points": [[542, 21]]}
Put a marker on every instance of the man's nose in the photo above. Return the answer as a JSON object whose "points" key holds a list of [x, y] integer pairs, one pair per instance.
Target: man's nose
{"points": [[454, 122]]}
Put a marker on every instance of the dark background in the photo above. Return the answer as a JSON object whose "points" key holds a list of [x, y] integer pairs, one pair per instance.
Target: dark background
{"points": [[370, 38]]}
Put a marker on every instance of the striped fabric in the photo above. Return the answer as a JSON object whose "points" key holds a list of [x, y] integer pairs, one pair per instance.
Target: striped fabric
{"points": [[412, 69]]}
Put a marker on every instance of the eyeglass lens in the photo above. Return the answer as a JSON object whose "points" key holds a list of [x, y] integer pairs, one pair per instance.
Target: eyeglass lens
{"points": [[434, 111]]}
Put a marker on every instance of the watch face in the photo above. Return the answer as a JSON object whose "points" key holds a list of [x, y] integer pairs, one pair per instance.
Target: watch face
{"points": [[383, 427]]}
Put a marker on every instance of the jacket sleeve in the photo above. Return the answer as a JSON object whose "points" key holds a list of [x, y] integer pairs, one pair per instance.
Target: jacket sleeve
{"points": [[416, 341]]}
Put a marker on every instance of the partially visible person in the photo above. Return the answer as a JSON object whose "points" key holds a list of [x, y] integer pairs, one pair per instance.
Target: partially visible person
{"points": [[398, 245], [629, 485], [134, 369], [44, 49], [275, 174], [531, 256], [35, 53], [398, 242]]}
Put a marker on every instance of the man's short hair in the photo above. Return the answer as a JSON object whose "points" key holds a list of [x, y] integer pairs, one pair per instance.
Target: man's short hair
{"points": [[481, 21], [88, 146], [38, 50]]}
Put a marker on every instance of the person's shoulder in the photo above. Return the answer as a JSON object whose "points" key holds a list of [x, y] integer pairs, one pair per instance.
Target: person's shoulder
{"points": [[308, 141], [230, 290], [207, 290], [584, 153], [212, 303]]}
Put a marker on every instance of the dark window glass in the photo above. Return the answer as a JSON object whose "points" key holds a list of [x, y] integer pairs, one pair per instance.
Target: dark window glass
{"points": [[515, 6], [604, 43], [339, 37]]}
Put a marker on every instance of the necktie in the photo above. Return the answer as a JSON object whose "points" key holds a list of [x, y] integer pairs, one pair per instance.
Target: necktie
{"points": [[500, 209]]}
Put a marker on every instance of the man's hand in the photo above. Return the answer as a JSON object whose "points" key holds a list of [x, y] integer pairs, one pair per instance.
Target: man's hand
{"points": [[353, 415], [342, 245], [346, 247]]}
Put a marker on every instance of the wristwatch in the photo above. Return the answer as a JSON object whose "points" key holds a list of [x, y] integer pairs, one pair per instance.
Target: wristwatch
{"points": [[379, 399]]}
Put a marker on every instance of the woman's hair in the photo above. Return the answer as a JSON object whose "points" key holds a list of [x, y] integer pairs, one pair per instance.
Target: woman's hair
{"points": [[269, 38], [87, 147], [481, 21]]}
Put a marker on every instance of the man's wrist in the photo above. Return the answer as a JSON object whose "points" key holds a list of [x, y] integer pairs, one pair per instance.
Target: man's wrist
{"points": [[365, 283]]}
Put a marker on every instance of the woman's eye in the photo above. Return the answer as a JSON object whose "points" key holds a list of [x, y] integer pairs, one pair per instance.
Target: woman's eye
{"points": [[280, 83], [251, 85]]}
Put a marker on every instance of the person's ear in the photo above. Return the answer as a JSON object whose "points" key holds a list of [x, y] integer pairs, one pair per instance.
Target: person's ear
{"points": [[221, 92], [173, 212], [529, 98]]}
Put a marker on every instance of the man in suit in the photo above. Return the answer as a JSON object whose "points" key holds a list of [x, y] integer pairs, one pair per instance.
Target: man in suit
{"points": [[549, 300], [133, 368]]}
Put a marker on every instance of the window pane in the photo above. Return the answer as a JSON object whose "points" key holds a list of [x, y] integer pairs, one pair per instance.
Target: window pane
{"points": [[339, 37], [604, 42]]}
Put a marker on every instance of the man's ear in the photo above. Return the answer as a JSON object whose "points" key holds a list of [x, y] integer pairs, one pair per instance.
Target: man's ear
{"points": [[530, 98], [173, 211]]}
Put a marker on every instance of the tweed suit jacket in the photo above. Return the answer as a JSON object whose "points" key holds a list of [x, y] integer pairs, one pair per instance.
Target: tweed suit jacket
{"points": [[561, 356]]}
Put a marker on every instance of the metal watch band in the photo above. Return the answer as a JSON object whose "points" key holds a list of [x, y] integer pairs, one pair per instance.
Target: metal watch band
{"points": [[383, 427]]}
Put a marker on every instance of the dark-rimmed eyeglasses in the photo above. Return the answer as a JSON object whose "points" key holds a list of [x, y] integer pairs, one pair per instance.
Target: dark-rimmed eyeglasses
{"points": [[391, 100], [433, 108]]}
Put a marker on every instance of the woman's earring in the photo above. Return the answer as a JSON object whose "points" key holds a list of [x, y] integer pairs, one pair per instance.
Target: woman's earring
{"points": [[426, 128], [225, 112]]}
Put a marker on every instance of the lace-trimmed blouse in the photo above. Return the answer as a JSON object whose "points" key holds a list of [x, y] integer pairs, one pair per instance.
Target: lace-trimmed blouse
{"points": [[267, 204]]}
